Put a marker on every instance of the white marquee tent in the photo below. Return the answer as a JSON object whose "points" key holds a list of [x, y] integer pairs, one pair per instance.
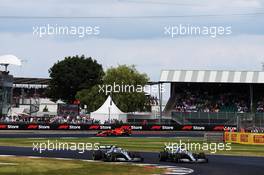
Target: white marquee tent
{"points": [[108, 111]]}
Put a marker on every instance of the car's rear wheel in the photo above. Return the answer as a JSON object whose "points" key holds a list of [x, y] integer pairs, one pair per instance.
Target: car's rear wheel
{"points": [[202, 155], [163, 156]]}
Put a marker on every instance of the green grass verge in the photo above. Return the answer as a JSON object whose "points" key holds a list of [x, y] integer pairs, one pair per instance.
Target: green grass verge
{"points": [[47, 166], [143, 144]]}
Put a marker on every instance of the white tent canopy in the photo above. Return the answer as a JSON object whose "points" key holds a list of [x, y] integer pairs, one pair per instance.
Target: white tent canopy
{"points": [[18, 111], [108, 111]]}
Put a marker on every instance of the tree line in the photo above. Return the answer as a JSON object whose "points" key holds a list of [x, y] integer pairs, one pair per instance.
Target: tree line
{"points": [[83, 78]]}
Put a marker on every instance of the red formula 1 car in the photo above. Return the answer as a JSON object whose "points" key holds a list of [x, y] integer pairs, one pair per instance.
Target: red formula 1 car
{"points": [[123, 131]]}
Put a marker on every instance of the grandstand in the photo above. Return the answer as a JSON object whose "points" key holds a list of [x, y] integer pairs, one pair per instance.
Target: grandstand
{"points": [[29, 101], [29, 91], [215, 97]]}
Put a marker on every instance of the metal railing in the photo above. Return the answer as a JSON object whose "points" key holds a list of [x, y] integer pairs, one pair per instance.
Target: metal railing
{"points": [[224, 118], [205, 118], [253, 120]]}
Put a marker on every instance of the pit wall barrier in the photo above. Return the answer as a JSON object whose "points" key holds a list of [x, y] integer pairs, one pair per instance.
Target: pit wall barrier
{"points": [[244, 138]]}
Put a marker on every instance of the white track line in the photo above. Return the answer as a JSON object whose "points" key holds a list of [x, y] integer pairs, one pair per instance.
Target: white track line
{"points": [[179, 171], [1, 163]]}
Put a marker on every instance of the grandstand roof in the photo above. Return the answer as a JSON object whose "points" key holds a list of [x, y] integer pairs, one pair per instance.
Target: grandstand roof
{"points": [[31, 81], [212, 76]]}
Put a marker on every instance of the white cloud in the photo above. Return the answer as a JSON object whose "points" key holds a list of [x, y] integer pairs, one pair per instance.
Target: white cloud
{"points": [[124, 7], [237, 52]]}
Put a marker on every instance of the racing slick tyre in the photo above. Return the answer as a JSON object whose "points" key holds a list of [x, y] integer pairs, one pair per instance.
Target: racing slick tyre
{"points": [[176, 158], [163, 156], [97, 155], [201, 155], [111, 158]]}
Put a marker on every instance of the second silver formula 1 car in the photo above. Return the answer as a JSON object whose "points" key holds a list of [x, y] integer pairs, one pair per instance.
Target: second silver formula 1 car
{"points": [[115, 154], [180, 154]]}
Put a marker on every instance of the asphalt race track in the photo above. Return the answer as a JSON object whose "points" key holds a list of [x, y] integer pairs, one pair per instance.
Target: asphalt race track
{"points": [[218, 165]]}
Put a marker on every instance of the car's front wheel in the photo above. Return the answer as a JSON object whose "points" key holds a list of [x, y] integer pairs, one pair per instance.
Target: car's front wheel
{"points": [[111, 158], [97, 155], [176, 158]]}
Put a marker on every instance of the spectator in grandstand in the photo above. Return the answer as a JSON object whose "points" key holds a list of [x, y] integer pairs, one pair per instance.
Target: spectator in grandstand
{"points": [[260, 106], [255, 129], [195, 101]]}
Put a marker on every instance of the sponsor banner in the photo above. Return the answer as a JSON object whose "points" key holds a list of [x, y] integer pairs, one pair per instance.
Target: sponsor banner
{"points": [[9, 126], [244, 138], [65, 126], [258, 139], [139, 128], [193, 128], [36, 126], [225, 128], [99, 127], [227, 136], [3, 126], [234, 137], [155, 127], [187, 128], [208, 128]]}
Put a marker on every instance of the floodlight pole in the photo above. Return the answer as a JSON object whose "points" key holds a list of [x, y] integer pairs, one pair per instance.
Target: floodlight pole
{"points": [[109, 117], [109, 108], [160, 103], [251, 97]]}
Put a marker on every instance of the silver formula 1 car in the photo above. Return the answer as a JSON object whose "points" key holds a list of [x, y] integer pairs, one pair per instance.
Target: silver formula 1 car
{"points": [[115, 154], [180, 154]]}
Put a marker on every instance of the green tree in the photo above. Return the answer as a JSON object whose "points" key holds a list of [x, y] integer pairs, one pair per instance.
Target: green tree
{"points": [[72, 75], [127, 100], [91, 98]]}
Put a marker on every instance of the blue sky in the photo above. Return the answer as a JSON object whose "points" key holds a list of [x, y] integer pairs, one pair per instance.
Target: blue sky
{"points": [[135, 41]]}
